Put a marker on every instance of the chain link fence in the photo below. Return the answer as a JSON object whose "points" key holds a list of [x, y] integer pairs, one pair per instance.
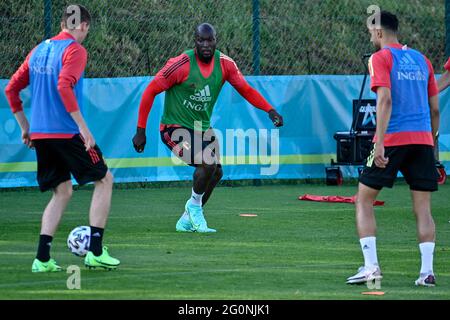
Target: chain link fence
{"points": [[267, 37]]}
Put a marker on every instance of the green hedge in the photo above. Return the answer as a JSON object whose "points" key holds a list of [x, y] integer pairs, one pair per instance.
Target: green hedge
{"points": [[135, 38]]}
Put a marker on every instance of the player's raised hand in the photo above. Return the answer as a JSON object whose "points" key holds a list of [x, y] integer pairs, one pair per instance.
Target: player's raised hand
{"points": [[276, 118], [139, 140]]}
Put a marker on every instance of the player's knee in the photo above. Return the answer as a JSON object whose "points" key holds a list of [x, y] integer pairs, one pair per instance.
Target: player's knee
{"points": [[363, 200], [365, 197], [68, 193], [357, 199], [209, 169], [64, 191], [108, 179], [218, 174]]}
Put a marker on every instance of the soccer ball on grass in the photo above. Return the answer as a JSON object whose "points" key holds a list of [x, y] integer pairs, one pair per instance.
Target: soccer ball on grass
{"points": [[78, 240]]}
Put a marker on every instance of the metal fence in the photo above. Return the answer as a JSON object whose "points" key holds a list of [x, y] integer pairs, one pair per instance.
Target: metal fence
{"points": [[267, 37]]}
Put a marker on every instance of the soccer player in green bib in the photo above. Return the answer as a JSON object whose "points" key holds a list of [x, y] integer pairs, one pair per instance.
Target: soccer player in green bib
{"points": [[192, 82]]}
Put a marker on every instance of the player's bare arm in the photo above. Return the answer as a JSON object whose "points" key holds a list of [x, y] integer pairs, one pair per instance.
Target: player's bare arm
{"points": [[25, 127], [435, 115], [384, 109], [444, 81], [89, 140]]}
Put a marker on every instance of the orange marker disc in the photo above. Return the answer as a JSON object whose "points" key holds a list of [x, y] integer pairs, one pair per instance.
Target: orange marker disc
{"points": [[374, 293]]}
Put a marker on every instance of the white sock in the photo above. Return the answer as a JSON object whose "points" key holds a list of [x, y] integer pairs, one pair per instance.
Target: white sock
{"points": [[369, 249], [426, 251], [196, 198]]}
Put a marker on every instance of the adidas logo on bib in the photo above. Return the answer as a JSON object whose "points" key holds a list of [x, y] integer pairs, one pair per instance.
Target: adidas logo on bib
{"points": [[202, 95]]}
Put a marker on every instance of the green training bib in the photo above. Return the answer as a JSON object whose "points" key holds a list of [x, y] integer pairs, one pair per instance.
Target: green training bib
{"points": [[193, 100]]}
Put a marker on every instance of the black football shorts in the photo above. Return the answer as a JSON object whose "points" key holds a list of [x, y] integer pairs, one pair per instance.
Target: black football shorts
{"points": [[416, 163], [192, 147], [57, 159]]}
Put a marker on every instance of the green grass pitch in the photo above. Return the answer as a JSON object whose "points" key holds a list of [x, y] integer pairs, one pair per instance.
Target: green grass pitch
{"points": [[292, 250]]}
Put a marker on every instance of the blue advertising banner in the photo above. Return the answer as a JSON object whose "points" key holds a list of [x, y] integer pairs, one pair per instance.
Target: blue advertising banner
{"points": [[313, 107]]}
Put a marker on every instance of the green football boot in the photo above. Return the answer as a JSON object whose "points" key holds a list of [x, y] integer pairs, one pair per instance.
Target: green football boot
{"points": [[49, 266], [184, 224], [104, 261], [197, 218]]}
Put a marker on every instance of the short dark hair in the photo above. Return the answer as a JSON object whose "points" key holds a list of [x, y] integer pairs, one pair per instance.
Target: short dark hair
{"points": [[205, 27], [71, 22], [389, 21]]}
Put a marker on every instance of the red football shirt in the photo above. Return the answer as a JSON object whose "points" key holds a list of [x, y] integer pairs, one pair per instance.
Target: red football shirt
{"points": [[73, 63], [447, 65]]}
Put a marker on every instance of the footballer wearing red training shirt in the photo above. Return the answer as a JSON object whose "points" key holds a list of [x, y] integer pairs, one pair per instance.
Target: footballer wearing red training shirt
{"points": [[192, 82], [407, 122], [63, 142]]}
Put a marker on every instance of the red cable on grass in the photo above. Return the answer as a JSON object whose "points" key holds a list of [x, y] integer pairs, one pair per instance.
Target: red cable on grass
{"points": [[338, 199]]}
